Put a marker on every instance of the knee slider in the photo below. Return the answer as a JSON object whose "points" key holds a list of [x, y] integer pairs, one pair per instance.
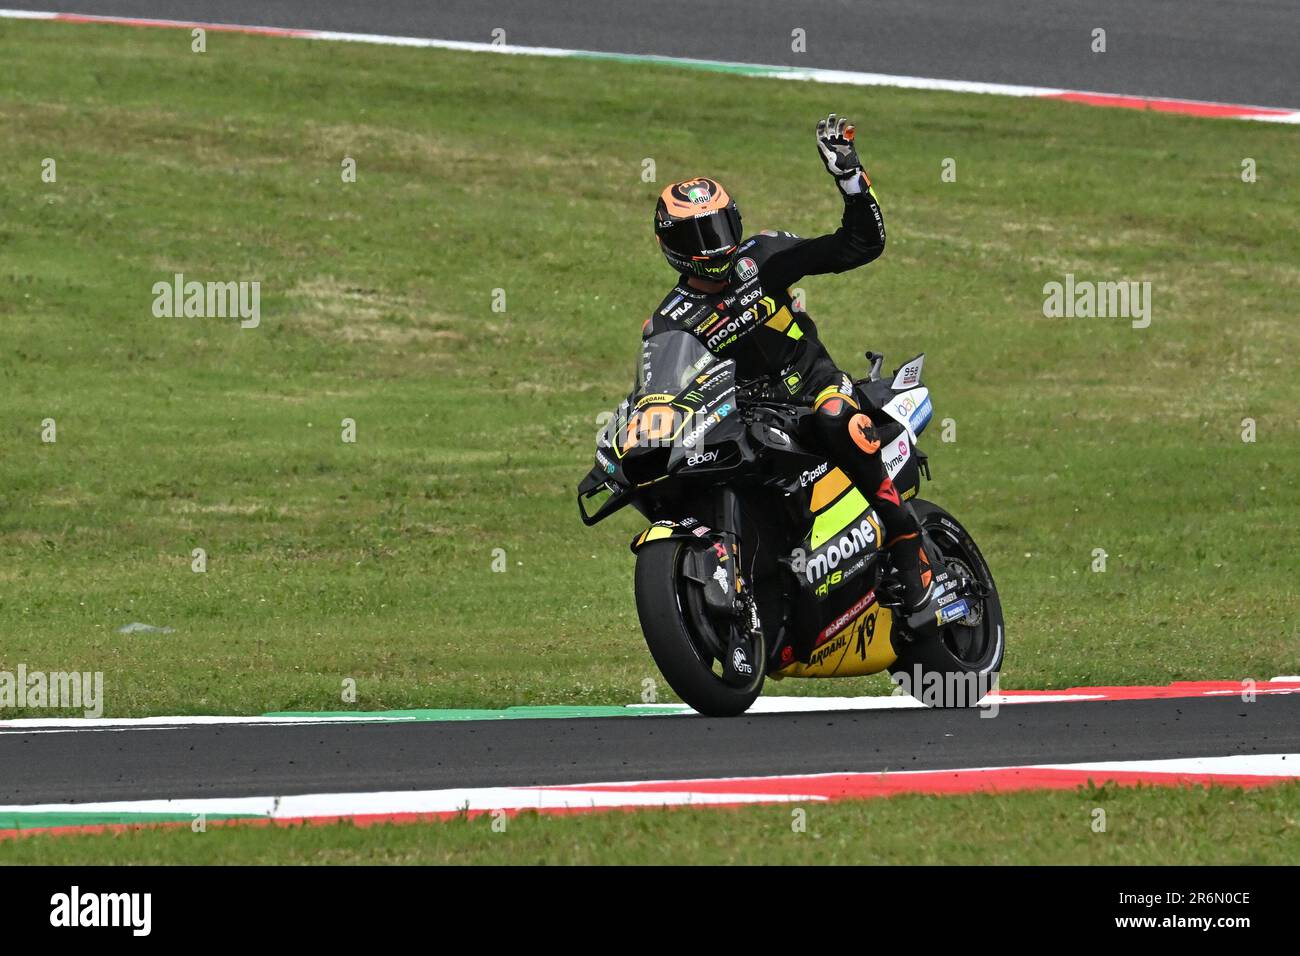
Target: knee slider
{"points": [[863, 433], [837, 419]]}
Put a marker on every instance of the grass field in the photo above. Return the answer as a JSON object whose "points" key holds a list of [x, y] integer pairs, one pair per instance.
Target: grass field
{"points": [[372, 560], [1194, 826]]}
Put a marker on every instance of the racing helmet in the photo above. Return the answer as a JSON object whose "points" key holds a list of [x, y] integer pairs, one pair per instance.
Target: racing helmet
{"points": [[698, 228]]}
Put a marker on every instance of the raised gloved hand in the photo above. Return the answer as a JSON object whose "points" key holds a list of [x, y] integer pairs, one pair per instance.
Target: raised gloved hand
{"points": [[835, 146]]}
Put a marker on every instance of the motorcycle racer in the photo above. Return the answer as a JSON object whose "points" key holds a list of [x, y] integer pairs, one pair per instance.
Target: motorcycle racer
{"points": [[734, 296]]}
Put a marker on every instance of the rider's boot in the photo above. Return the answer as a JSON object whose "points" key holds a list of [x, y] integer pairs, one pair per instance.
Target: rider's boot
{"points": [[915, 573]]}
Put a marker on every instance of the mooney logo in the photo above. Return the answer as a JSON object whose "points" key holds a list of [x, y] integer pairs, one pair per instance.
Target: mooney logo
{"points": [[730, 328], [848, 545], [694, 435]]}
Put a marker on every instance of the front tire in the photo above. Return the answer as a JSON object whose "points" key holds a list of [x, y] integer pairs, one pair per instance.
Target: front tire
{"points": [[959, 666], [679, 638]]}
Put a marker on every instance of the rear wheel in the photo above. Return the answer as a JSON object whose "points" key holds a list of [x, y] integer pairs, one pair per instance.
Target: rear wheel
{"points": [[683, 640], [959, 666]]}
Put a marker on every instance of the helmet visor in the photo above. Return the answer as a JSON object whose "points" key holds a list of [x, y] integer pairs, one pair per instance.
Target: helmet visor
{"points": [[702, 236]]}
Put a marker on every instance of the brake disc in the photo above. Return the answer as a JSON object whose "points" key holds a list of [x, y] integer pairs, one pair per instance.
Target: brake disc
{"points": [[975, 615]]}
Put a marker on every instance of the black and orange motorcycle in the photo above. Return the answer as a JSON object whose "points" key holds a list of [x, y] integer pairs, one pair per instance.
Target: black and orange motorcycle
{"points": [[762, 558]]}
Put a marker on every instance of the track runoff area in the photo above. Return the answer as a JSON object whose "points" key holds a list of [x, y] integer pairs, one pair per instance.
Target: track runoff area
{"points": [[87, 814]]}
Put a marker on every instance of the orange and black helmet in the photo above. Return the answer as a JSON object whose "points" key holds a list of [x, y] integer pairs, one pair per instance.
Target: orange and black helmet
{"points": [[698, 228]]}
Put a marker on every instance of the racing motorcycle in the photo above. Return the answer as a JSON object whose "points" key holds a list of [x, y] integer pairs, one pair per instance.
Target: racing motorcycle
{"points": [[762, 559]]}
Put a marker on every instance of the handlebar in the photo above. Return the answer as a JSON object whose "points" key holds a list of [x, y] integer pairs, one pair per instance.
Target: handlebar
{"points": [[877, 360]]}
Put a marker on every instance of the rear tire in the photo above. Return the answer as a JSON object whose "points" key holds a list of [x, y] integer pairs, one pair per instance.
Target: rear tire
{"points": [[674, 638], [959, 666]]}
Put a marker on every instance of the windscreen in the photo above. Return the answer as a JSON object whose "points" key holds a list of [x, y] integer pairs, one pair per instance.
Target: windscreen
{"points": [[669, 362]]}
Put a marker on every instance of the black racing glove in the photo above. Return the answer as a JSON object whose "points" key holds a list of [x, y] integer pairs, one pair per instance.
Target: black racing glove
{"points": [[835, 146]]}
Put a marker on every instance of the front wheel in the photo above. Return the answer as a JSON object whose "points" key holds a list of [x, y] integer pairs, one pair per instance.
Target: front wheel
{"points": [[960, 665], [681, 637]]}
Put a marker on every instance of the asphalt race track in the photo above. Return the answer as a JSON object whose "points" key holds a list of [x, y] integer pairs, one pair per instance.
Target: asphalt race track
{"points": [[234, 760], [1235, 51]]}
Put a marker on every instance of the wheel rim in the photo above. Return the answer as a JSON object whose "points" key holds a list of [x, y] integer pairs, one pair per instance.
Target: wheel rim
{"points": [[972, 639]]}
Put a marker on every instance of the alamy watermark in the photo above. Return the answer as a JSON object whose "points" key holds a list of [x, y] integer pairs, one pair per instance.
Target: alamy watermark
{"points": [[1084, 299], [77, 908], [208, 300], [53, 690], [949, 689]]}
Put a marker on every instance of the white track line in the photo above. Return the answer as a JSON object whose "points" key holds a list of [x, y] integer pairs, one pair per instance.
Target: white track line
{"points": [[1252, 765], [607, 796], [763, 705], [407, 801], [64, 725]]}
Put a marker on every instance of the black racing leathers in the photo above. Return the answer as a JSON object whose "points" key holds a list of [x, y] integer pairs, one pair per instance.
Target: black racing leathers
{"points": [[755, 321]]}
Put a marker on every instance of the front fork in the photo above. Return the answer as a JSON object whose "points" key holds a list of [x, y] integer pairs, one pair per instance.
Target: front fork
{"points": [[746, 646]]}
